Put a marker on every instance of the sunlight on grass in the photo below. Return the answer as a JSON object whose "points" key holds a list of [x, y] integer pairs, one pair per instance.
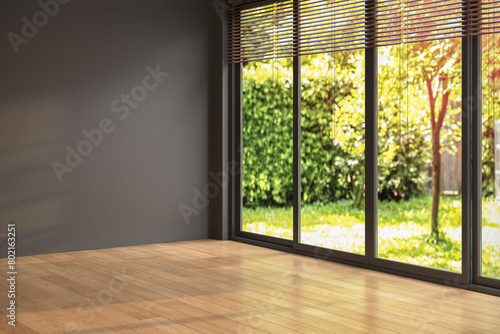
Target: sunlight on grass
{"points": [[403, 230], [347, 239]]}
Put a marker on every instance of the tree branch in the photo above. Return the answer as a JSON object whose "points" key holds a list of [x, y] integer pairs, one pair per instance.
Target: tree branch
{"points": [[442, 112], [432, 100]]}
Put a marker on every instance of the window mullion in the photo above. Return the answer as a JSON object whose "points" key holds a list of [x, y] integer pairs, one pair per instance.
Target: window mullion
{"points": [[296, 124], [371, 130]]}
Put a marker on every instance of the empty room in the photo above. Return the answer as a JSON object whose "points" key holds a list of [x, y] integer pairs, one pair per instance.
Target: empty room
{"points": [[250, 166]]}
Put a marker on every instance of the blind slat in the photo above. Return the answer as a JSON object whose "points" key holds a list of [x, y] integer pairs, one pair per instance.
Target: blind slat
{"points": [[271, 29]]}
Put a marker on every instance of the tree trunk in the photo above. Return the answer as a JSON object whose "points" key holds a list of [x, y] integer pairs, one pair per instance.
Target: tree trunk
{"points": [[358, 196], [436, 183], [436, 126]]}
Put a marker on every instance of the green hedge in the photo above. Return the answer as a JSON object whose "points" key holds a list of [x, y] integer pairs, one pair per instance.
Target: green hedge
{"points": [[332, 135]]}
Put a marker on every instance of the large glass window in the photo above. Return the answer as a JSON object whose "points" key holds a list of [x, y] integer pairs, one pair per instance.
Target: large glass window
{"points": [[267, 148], [333, 150], [419, 162]]}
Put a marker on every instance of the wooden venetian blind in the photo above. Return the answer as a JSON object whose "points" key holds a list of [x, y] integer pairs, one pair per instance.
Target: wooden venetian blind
{"points": [[488, 18], [413, 21], [259, 33], [271, 29]]}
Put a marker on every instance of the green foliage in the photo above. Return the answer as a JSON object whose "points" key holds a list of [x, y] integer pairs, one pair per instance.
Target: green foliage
{"points": [[267, 136], [332, 136], [333, 123]]}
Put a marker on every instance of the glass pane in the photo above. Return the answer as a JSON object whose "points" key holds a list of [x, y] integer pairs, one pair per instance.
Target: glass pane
{"points": [[333, 150], [267, 148], [420, 156], [491, 157]]}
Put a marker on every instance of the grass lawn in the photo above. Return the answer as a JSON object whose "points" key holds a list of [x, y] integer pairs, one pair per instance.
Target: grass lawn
{"points": [[403, 229]]}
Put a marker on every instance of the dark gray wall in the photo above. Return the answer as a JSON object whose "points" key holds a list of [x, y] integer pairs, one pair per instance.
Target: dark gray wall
{"points": [[63, 81]]}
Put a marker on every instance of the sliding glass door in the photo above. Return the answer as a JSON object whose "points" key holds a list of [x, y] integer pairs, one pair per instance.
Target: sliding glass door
{"points": [[364, 135], [333, 151], [267, 148], [420, 154]]}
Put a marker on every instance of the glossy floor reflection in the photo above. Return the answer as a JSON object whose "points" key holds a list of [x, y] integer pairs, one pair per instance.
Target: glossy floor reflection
{"points": [[210, 286]]}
